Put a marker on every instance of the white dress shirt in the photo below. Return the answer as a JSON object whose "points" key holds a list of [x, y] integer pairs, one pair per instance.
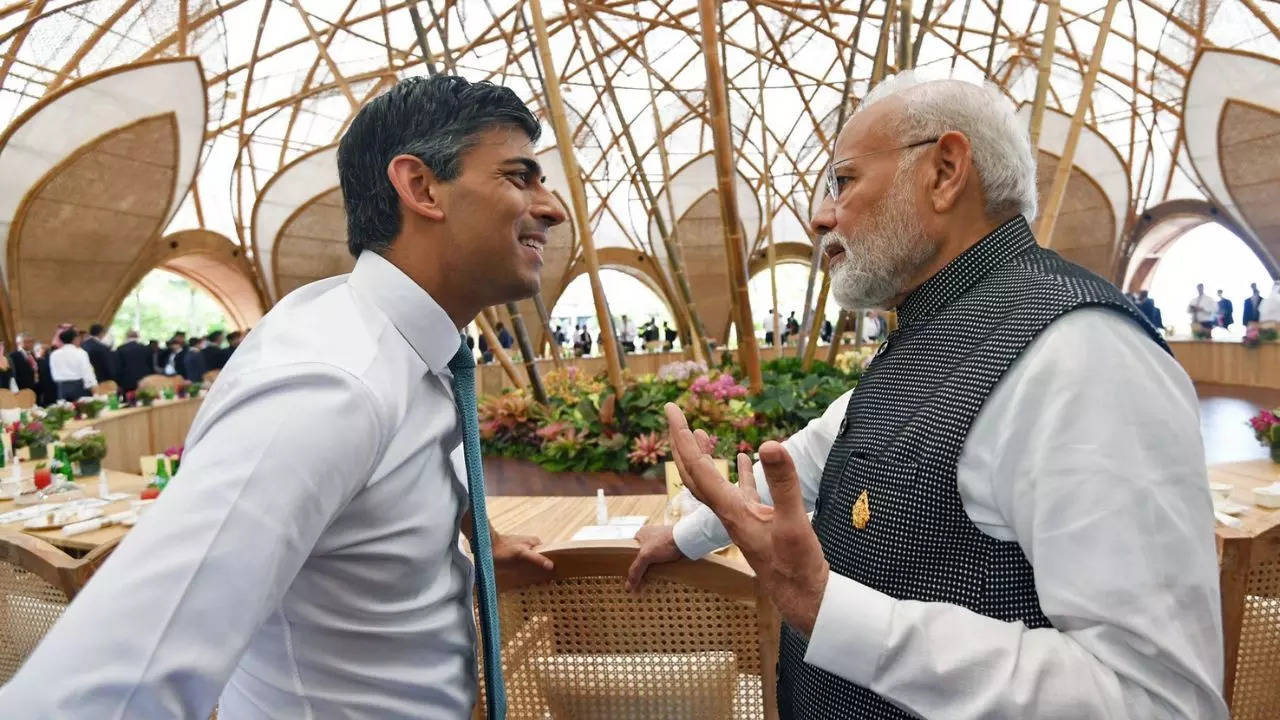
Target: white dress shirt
{"points": [[1204, 309], [305, 563], [69, 363], [1088, 454]]}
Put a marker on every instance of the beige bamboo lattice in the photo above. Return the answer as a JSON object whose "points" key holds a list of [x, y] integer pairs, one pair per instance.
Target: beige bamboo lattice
{"points": [[37, 581], [689, 645]]}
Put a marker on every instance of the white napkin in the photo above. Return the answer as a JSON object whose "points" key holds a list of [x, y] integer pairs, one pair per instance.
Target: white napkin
{"points": [[1228, 520], [97, 523], [606, 532]]}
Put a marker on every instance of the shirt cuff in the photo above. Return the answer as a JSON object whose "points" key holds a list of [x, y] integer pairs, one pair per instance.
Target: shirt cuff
{"points": [[699, 533], [851, 631]]}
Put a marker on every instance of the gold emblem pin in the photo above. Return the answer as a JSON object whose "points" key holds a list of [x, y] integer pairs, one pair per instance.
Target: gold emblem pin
{"points": [[862, 511]]}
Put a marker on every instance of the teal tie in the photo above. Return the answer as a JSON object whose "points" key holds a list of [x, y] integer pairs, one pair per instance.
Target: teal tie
{"points": [[463, 366]]}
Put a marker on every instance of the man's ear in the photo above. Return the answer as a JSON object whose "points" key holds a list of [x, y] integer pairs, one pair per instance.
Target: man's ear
{"points": [[417, 186], [952, 169]]}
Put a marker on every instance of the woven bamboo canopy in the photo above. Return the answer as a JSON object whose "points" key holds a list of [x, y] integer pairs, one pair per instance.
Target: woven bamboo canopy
{"points": [[1179, 126]]}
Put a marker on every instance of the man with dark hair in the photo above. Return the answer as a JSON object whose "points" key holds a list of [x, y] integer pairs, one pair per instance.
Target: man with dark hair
{"points": [[233, 342], [99, 353], [70, 368], [1252, 306], [133, 361], [214, 357], [307, 561], [157, 355], [23, 362], [194, 368]]}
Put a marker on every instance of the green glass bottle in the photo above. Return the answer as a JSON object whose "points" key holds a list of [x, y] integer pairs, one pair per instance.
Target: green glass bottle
{"points": [[64, 456], [162, 472], [113, 402]]}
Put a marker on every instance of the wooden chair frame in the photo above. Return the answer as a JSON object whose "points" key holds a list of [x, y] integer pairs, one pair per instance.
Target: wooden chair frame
{"points": [[67, 574], [1250, 576]]}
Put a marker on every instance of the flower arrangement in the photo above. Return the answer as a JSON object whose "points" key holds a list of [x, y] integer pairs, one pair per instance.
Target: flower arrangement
{"points": [[89, 407], [1266, 427], [33, 435], [856, 361], [146, 395], [586, 426], [682, 370], [87, 447], [174, 456], [57, 415]]}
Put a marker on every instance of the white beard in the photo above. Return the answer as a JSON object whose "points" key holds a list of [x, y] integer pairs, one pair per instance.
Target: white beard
{"points": [[892, 247]]}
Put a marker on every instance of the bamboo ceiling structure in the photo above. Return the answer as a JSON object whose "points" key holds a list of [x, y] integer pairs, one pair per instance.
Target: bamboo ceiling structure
{"points": [[651, 134]]}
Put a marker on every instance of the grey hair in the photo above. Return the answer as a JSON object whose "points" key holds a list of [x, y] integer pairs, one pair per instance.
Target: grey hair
{"points": [[1000, 143]]}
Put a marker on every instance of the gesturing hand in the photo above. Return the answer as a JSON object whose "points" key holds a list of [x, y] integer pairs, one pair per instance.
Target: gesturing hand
{"points": [[778, 541]]}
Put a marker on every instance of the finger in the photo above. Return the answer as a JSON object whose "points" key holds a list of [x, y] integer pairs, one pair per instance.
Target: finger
{"points": [[707, 484], [684, 446], [537, 558], [780, 472], [675, 423], [747, 478], [704, 441], [635, 574]]}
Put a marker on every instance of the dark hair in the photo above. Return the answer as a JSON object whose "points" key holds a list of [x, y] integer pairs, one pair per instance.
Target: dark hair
{"points": [[194, 341], [233, 336], [68, 336], [95, 329], [435, 119], [215, 336]]}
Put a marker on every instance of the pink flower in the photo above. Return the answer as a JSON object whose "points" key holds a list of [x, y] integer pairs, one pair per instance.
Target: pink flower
{"points": [[552, 431], [745, 447], [648, 449]]}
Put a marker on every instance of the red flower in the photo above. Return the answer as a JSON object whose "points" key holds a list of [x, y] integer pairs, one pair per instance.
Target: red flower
{"points": [[745, 447]]}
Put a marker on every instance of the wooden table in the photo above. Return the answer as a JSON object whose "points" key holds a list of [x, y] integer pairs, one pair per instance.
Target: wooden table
{"points": [[134, 432], [118, 482], [127, 432], [1246, 476], [556, 519]]}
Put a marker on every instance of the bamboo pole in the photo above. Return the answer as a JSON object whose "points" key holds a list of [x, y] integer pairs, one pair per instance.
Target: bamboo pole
{"points": [[878, 70], [841, 323], [819, 316], [545, 318], [421, 32], [1053, 203], [722, 138], [582, 219], [812, 323], [995, 31], [495, 347], [775, 314], [526, 349], [684, 307], [1042, 76], [904, 34]]}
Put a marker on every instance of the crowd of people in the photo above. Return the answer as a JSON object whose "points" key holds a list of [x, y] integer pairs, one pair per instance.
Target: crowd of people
{"points": [[75, 361]]}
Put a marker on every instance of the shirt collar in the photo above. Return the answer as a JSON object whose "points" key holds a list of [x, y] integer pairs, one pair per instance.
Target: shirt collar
{"points": [[949, 283], [413, 312]]}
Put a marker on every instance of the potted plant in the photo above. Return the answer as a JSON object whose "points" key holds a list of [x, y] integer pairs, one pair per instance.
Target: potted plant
{"points": [[57, 415], [87, 448], [89, 407], [1266, 427], [174, 456], [183, 388], [194, 389], [169, 392], [35, 436], [147, 395]]}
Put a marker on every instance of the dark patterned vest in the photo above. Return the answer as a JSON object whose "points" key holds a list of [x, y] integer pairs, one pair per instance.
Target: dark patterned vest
{"points": [[903, 432]]}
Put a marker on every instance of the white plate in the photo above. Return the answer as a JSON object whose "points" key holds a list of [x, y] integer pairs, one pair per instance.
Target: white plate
{"points": [[1227, 507]]}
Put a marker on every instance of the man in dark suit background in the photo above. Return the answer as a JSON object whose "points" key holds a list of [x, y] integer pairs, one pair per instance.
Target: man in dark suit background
{"points": [[214, 357], [1226, 312], [233, 341], [100, 355], [1252, 305], [133, 362], [23, 362], [194, 366]]}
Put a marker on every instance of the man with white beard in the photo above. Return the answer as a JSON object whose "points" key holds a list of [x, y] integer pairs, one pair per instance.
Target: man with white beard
{"points": [[1011, 512]]}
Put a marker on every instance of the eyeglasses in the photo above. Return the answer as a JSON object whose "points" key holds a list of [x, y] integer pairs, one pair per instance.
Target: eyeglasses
{"points": [[833, 189]]}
